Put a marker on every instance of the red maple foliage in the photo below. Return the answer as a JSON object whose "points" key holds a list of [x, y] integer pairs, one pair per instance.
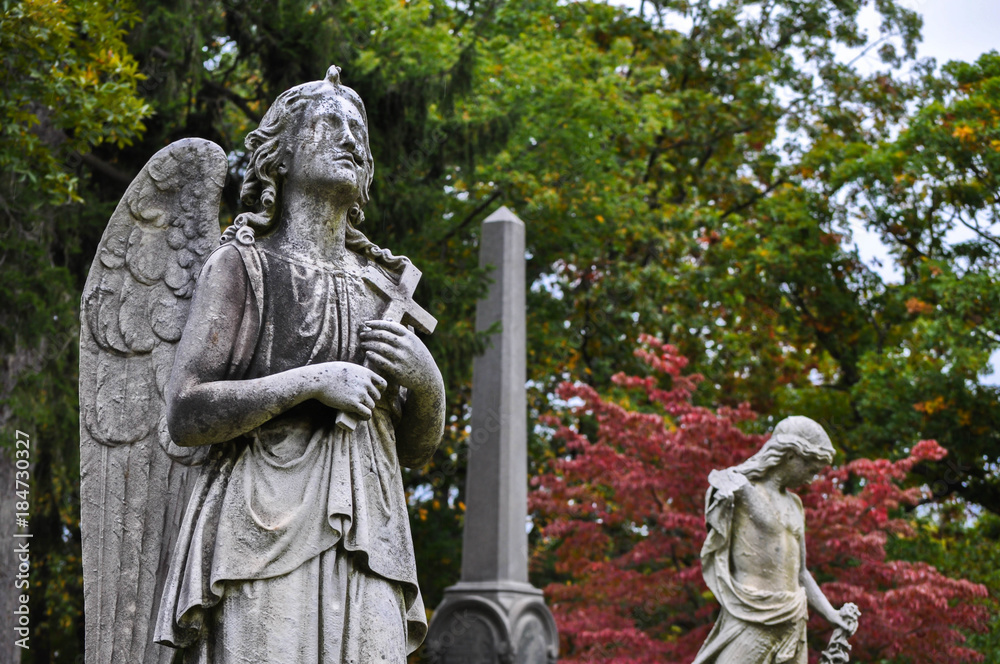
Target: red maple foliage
{"points": [[621, 519]]}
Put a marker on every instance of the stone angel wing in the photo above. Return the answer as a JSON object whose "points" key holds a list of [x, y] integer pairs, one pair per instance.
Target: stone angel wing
{"points": [[134, 481]]}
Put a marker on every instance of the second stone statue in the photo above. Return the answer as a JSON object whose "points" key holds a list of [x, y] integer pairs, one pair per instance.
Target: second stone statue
{"points": [[754, 557]]}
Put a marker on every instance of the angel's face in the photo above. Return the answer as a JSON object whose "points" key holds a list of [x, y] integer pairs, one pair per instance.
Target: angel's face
{"points": [[799, 470], [331, 147]]}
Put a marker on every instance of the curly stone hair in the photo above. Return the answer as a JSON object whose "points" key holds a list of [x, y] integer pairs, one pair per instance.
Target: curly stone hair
{"points": [[263, 179]]}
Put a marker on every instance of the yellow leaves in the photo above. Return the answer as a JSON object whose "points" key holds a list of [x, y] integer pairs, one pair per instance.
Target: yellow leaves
{"points": [[935, 405], [964, 133], [600, 219], [918, 306], [995, 144], [89, 76]]}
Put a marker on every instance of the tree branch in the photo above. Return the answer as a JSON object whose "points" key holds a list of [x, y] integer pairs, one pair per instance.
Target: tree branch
{"points": [[98, 165], [472, 215], [240, 102], [753, 199], [978, 231]]}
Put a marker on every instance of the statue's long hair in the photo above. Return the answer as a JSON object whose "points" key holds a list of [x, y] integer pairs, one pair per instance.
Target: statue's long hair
{"points": [[263, 179], [793, 435]]}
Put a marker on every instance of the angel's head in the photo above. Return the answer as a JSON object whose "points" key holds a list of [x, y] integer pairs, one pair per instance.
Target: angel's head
{"points": [[334, 117], [797, 449], [335, 147]]}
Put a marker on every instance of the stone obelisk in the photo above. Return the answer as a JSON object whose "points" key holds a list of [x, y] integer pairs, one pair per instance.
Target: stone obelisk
{"points": [[493, 615]]}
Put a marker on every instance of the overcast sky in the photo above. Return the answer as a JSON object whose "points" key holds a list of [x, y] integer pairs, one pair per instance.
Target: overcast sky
{"points": [[953, 29], [958, 29]]}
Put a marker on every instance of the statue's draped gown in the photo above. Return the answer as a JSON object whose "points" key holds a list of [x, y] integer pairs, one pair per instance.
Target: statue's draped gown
{"points": [[296, 545]]}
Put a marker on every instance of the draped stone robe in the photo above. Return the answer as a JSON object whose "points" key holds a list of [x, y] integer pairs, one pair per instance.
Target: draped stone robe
{"points": [[296, 544]]}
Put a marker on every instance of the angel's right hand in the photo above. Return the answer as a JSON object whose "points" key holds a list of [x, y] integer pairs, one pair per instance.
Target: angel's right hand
{"points": [[347, 387]]}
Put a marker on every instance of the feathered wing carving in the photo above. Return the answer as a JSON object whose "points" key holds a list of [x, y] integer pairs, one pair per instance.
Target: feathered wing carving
{"points": [[134, 481]]}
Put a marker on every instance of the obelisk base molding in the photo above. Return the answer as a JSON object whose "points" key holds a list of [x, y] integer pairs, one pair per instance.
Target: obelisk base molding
{"points": [[492, 622]]}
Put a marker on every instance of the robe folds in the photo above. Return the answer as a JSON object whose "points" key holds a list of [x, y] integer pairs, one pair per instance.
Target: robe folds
{"points": [[295, 547], [755, 626]]}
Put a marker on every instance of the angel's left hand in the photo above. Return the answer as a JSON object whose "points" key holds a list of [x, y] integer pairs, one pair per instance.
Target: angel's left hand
{"points": [[847, 618], [398, 354]]}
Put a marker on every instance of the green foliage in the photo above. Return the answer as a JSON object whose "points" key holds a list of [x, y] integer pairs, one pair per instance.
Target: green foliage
{"points": [[935, 330], [69, 86]]}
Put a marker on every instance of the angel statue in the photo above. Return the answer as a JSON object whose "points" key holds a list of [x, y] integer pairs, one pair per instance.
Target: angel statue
{"points": [[754, 558], [246, 411]]}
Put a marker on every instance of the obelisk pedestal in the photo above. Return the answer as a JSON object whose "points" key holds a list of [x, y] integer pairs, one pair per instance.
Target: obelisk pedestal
{"points": [[493, 615]]}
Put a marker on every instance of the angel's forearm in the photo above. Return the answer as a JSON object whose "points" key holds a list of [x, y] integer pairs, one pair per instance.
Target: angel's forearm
{"points": [[815, 596], [421, 427], [214, 412]]}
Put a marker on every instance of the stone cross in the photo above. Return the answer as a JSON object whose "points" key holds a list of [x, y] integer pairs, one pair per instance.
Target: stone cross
{"points": [[493, 614], [401, 306]]}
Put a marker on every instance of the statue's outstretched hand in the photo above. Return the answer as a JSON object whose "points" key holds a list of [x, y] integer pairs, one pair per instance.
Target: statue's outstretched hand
{"points": [[847, 618], [347, 387], [397, 353]]}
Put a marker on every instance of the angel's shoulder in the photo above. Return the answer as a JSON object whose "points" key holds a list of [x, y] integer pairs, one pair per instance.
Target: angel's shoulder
{"points": [[752, 497], [224, 258], [797, 502], [224, 281], [226, 265]]}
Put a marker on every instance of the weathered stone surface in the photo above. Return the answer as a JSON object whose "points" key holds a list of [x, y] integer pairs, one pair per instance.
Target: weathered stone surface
{"points": [[294, 545], [494, 589], [753, 559], [495, 542], [134, 481]]}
